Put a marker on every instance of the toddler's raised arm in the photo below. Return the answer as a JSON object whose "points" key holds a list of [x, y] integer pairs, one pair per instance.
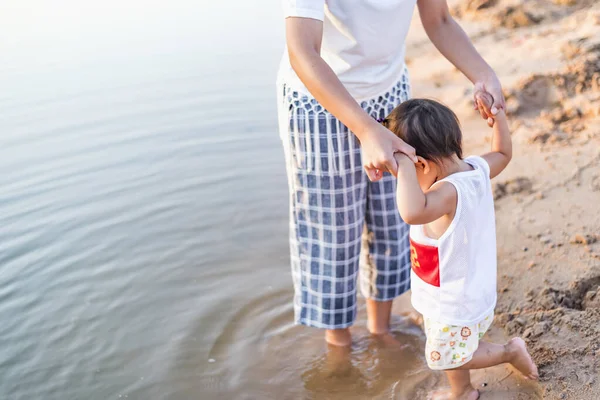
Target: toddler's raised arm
{"points": [[501, 152]]}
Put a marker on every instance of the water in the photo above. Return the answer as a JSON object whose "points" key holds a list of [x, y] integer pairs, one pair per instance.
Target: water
{"points": [[143, 213]]}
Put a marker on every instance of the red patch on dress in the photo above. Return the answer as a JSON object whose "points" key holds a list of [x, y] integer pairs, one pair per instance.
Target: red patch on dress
{"points": [[425, 262]]}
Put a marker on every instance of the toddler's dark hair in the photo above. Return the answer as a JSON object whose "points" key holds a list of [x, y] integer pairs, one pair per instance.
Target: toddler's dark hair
{"points": [[428, 126]]}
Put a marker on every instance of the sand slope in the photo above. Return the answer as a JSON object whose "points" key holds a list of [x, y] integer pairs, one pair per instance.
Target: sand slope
{"points": [[547, 55]]}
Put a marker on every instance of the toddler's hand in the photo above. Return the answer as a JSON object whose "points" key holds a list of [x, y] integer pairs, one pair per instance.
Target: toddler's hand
{"points": [[484, 101], [378, 148], [492, 86]]}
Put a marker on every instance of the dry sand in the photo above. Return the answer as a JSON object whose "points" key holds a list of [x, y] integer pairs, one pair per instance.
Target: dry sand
{"points": [[547, 55]]}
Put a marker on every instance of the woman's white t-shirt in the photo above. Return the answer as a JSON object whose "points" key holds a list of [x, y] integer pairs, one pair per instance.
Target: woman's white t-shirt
{"points": [[363, 42], [453, 278]]}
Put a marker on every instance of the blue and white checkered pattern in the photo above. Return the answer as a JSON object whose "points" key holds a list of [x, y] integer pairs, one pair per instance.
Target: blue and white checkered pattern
{"points": [[336, 211]]}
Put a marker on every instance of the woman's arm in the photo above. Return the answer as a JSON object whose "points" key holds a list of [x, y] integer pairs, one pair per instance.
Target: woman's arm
{"points": [[303, 37], [449, 38]]}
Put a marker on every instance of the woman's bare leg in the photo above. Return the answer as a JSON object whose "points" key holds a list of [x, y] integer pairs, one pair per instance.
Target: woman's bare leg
{"points": [[378, 316], [338, 337]]}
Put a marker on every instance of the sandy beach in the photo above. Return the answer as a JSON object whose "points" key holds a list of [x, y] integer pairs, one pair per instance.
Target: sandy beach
{"points": [[144, 207], [547, 55]]}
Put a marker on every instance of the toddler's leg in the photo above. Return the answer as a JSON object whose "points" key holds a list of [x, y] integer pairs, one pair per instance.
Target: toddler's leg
{"points": [[449, 345], [460, 386], [514, 352], [378, 316]]}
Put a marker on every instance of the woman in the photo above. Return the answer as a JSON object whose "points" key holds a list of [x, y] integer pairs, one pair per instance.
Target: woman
{"points": [[343, 70]]}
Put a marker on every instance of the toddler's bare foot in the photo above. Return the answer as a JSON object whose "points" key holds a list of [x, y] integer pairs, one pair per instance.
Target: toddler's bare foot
{"points": [[414, 317], [442, 394], [520, 358], [470, 394]]}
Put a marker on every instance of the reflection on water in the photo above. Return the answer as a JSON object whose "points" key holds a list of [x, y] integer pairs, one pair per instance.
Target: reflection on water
{"points": [[372, 369], [143, 214]]}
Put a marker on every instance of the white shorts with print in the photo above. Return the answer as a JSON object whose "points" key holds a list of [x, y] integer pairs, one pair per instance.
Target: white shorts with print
{"points": [[450, 346]]}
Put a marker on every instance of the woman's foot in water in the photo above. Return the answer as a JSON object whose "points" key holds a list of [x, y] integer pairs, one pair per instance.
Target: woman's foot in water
{"points": [[388, 340], [333, 370]]}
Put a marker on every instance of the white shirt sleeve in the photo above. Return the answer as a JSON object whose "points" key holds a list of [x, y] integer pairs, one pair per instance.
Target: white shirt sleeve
{"points": [[314, 9], [483, 164]]}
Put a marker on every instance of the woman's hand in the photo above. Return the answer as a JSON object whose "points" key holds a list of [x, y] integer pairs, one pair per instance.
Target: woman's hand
{"points": [[492, 86], [378, 147]]}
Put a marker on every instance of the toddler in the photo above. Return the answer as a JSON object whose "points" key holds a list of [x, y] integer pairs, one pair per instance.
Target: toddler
{"points": [[448, 202]]}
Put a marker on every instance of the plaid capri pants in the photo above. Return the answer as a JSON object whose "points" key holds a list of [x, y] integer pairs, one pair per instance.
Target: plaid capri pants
{"points": [[340, 222]]}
